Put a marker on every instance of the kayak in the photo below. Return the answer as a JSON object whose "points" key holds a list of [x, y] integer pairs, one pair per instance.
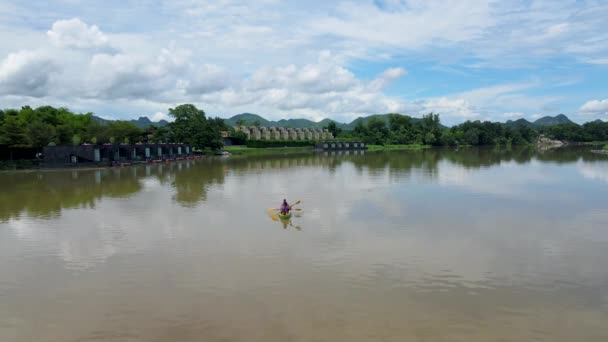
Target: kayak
{"points": [[285, 217]]}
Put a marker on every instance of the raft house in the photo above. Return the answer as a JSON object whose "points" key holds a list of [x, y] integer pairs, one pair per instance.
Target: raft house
{"points": [[115, 154], [341, 146]]}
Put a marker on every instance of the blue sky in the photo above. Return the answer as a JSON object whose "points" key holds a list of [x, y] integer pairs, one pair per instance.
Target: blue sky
{"points": [[467, 60]]}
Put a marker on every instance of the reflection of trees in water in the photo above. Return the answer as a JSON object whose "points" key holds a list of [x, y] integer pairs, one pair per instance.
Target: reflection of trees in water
{"points": [[570, 155], [192, 181], [44, 194], [481, 157]]}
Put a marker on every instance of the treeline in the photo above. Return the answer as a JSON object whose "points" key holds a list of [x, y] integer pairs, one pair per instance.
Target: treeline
{"points": [[401, 129], [43, 126], [590, 131]]}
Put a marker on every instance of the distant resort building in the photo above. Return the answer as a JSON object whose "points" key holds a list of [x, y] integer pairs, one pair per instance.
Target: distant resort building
{"points": [[284, 133]]}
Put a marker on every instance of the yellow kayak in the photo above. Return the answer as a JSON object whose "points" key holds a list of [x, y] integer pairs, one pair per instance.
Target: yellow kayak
{"points": [[285, 217]]}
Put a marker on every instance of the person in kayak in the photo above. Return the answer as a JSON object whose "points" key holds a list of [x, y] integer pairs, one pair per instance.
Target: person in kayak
{"points": [[285, 207]]}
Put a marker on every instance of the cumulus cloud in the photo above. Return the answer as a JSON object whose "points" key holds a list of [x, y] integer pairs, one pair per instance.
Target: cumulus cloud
{"points": [[595, 107], [513, 115], [324, 76], [313, 90], [77, 34], [228, 56], [160, 116], [450, 108], [26, 73]]}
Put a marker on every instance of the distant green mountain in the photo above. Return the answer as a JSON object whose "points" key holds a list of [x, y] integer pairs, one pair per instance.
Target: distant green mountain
{"points": [[552, 120], [249, 119], [542, 122], [519, 122], [142, 122]]}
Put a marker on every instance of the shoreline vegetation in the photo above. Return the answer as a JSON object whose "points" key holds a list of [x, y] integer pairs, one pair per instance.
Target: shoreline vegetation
{"points": [[244, 150], [25, 132]]}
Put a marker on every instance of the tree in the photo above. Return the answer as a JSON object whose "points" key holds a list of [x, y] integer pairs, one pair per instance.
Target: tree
{"points": [[188, 121], [359, 131], [332, 127], [401, 129], [40, 134], [12, 132], [430, 123], [377, 133], [192, 127], [256, 123]]}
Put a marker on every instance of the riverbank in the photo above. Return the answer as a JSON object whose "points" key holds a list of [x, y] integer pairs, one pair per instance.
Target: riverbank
{"points": [[243, 150], [374, 148]]}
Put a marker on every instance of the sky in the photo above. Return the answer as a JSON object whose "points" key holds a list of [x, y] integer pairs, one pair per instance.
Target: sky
{"points": [[463, 59]]}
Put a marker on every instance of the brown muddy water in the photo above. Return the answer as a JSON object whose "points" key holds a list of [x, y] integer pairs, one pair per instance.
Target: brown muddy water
{"points": [[431, 245]]}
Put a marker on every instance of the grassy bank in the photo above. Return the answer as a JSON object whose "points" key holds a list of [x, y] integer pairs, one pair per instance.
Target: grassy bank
{"points": [[373, 148], [242, 150]]}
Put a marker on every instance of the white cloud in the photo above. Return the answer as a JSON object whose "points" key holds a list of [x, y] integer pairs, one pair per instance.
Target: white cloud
{"points": [[407, 24], [312, 90], [513, 115], [26, 73], [77, 34], [536, 116], [228, 56], [595, 107], [596, 171], [449, 108], [160, 116]]}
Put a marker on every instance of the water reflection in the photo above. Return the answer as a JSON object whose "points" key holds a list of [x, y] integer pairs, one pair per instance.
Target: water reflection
{"points": [[438, 244], [45, 194], [286, 222]]}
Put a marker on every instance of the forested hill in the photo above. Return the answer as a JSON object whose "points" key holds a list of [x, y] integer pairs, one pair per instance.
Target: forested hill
{"points": [[142, 122], [542, 122], [249, 119]]}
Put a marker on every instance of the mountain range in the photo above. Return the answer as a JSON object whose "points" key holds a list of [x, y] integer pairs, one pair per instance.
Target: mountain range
{"points": [[250, 119], [544, 121], [142, 122]]}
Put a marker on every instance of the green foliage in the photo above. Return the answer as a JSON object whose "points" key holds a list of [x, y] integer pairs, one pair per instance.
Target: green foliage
{"points": [[40, 134], [12, 132], [191, 126], [39, 127], [28, 127], [489, 133], [76, 139], [277, 143], [333, 128], [591, 131]]}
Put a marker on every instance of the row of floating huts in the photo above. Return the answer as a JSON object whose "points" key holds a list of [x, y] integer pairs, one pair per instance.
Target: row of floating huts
{"points": [[121, 154], [114, 154], [345, 145]]}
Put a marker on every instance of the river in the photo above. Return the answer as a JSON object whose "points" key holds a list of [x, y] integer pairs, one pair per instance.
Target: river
{"points": [[431, 245]]}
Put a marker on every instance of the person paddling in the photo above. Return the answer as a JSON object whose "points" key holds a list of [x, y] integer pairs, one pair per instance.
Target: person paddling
{"points": [[285, 207]]}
